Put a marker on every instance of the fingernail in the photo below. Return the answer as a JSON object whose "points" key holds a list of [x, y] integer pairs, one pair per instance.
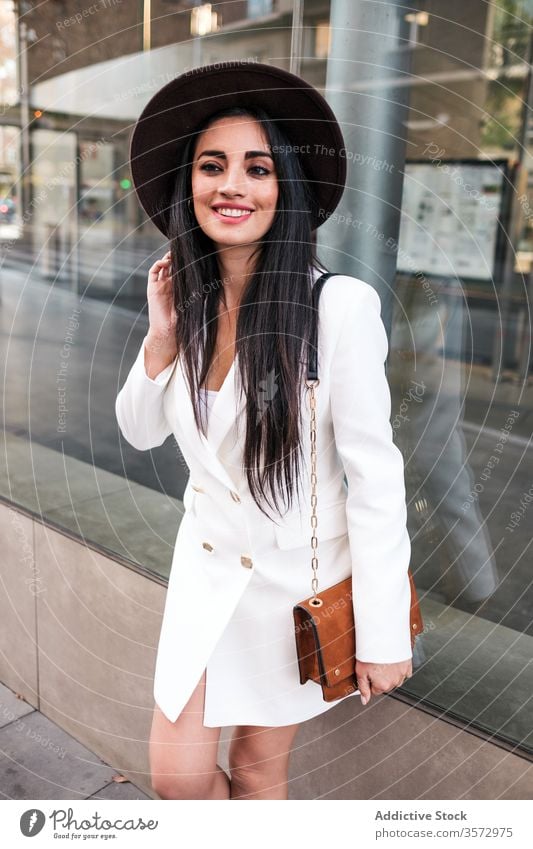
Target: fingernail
{"points": [[363, 699]]}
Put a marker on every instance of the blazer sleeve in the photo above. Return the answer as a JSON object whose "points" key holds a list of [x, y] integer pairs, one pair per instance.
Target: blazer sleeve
{"points": [[380, 547], [139, 405]]}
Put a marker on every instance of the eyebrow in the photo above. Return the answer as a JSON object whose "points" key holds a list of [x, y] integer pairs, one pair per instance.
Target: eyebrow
{"points": [[250, 154]]}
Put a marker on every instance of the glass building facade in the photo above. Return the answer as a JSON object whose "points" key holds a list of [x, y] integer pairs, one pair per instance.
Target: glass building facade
{"points": [[434, 100]]}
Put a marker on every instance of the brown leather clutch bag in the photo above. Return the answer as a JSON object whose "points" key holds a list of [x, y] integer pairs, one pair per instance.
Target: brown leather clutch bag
{"points": [[325, 638]]}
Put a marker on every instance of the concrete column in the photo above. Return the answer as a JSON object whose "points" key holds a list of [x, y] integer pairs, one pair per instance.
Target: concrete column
{"points": [[367, 87]]}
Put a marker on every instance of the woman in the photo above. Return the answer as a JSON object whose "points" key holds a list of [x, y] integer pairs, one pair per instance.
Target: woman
{"points": [[237, 166]]}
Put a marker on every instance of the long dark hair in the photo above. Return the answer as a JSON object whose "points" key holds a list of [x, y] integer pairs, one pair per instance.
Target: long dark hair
{"points": [[275, 320]]}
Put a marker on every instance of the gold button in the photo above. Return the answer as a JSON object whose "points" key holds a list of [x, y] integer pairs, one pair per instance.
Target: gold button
{"points": [[415, 626], [197, 488], [207, 546], [235, 496], [337, 671], [246, 561]]}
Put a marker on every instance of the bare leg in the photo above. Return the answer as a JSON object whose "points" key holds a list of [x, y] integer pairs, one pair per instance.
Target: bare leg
{"points": [[259, 761], [183, 754]]}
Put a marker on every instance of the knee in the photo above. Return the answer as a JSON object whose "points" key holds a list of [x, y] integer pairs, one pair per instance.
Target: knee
{"points": [[252, 776], [182, 785], [258, 783]]}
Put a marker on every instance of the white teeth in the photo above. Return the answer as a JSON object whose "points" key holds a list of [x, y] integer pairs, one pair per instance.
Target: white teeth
{"points": [[233, 213]]}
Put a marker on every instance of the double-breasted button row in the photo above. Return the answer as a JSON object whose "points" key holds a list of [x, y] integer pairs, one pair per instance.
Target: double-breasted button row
{"points": [[246, 560]]}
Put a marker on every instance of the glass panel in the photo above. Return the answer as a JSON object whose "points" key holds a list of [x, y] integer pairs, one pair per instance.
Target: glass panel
{"points": [[259, 8], [10, 209], [75, 271], [9, 90], [98, 210], [53, 204], [438, 218], [322, 40]]}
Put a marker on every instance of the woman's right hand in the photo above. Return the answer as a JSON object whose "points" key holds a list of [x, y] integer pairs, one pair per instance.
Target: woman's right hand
{"points": [[161, 312]]}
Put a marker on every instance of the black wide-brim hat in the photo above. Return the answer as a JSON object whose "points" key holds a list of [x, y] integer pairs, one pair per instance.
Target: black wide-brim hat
{"points": [[176, 111]]}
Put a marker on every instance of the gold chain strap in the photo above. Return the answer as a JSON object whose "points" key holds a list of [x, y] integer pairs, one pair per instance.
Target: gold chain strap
{"points": [[315, 601]]}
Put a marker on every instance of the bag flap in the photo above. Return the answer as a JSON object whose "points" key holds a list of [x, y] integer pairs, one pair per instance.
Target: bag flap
{"points": [[306, 645], [333, 627]]}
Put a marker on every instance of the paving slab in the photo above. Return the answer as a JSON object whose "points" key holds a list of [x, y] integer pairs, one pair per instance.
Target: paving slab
{"points": [[38, 760]]}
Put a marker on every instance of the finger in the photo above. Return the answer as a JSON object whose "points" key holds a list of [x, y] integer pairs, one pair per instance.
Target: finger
{"points": [[363, 682], [160, 265], [155, 269]]}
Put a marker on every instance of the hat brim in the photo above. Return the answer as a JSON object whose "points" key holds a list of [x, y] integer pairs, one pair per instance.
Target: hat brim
{"points": [[176, 111]]}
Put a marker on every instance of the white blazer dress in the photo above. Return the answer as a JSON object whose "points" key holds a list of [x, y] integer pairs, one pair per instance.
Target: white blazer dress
{"points": [[235, 573]]}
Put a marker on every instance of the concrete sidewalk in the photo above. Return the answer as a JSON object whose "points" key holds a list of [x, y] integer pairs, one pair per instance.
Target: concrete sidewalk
{"points": [[38, 760]]}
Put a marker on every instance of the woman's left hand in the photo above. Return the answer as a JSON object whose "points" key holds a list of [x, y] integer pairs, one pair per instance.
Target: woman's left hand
{"points": [[376, 678]]}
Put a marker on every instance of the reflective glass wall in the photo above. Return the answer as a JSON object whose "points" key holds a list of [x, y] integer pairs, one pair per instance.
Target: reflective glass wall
{"points": [[434, 100], [437, 216]]}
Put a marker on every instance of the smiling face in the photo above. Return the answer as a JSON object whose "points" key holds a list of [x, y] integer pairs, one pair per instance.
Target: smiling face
{"points": [[234, 183]]}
